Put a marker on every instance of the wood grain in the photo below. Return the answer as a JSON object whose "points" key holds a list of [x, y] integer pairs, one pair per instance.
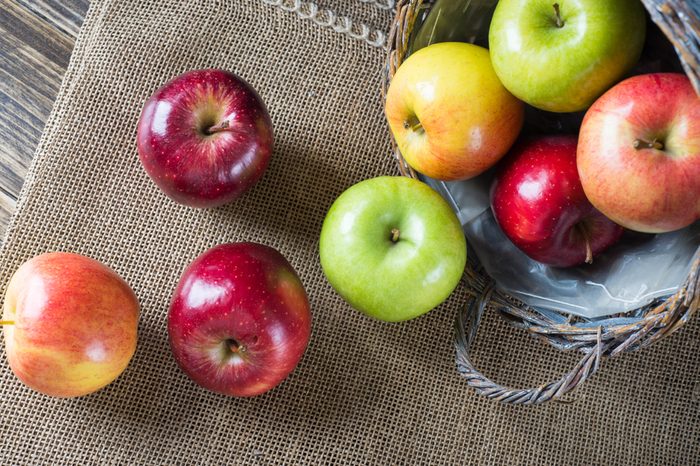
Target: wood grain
{"points": [[36, 40]]}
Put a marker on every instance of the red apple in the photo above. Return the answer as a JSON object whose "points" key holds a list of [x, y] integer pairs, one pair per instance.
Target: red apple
{"points": [[205, 138], [70, 324], [639, 153], [239, 320], [539, 203]]}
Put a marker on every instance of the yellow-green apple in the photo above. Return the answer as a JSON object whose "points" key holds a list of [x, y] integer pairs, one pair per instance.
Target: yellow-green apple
{"points": [[205, 137], [70, 324], [450, 115], [639, 153], [538, 202], [392, 248], [561, 56], [239, 319]]}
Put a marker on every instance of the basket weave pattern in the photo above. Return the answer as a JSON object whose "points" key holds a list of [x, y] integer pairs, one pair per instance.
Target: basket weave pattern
{"points": [[594, 339]]}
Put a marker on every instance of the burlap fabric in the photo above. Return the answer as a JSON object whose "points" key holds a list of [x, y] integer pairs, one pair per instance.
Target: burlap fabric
{"points": [[365, 392]]}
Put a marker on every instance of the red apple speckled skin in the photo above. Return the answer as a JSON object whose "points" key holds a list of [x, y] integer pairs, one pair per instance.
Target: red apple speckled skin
{"points": [[205, 138], [75, 324], [648, 189], [239, 319], [539, 203]]}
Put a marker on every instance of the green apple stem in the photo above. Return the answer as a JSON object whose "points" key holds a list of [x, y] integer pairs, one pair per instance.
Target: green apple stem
{"points": [[654, 144], [557, 16], [7, 322], [395, 233], [223, 126], [413, 127]]}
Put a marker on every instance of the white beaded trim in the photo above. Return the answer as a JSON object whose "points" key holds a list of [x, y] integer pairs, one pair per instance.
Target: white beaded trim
{"points": [[381, 4], [340, 24]]}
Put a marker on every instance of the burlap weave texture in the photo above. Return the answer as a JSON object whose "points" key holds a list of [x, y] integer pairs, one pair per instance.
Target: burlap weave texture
{"points": [[365, 392]]}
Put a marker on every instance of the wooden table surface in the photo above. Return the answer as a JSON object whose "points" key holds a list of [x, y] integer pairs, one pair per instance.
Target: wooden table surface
{"points": [[36, 41]]}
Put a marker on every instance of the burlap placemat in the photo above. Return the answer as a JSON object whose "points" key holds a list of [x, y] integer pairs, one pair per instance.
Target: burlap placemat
{"points": [[365, 392]]}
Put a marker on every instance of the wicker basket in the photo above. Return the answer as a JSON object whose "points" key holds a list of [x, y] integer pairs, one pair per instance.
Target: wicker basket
{"points": [[604, 337]]}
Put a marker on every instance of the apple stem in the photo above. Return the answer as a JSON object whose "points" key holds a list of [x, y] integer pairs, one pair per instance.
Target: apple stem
{"points": [[223, 126], [413, 127], [233, 345], [557, 16], [582, 229], [395, 233], [654, 144], [589, 251], [7, 322]]}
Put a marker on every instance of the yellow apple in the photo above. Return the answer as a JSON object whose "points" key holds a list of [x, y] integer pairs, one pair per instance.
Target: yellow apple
{"points": [[450, 115]]}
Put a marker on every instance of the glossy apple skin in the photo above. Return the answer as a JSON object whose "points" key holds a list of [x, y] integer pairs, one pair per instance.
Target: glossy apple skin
{"points": [[239, 319], [387, 280], [646, 189], [75, 324], [538, 201], [468, 119], [564, 69], [195, 168]]}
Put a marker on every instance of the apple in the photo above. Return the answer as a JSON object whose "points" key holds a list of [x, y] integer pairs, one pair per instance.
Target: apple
{"points": [[70, 324], [639, 153], [205, 138], [450, 115], [392, 248], [561, 56], [538, 202], [239, 320]]}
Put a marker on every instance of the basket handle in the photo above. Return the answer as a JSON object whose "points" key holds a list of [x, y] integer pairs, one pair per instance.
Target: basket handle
{"points": [[466, 327]]}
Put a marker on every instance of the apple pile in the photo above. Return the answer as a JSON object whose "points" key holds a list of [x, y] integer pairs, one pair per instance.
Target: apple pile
{"points": [[239, 319], [456, 110]]}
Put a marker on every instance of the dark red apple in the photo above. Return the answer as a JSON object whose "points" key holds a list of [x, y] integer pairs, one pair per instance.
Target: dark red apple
{"points": [[539, 203], [205, 138], [239, 320]]}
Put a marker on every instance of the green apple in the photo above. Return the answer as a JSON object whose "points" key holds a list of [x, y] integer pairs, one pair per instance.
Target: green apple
{"points": [[561, 56], [392, 248]]}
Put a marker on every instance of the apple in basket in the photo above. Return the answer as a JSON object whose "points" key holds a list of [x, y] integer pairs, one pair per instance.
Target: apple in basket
{"points": [[450, 115], [639, 153], [205, 138], [538, 202], [239, 319], [392, 247], [70, 324], [561, 56]]}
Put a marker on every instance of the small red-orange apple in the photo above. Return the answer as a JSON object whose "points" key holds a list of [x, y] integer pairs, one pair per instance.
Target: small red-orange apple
{"points": [[450, 115], [70, 324]]}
